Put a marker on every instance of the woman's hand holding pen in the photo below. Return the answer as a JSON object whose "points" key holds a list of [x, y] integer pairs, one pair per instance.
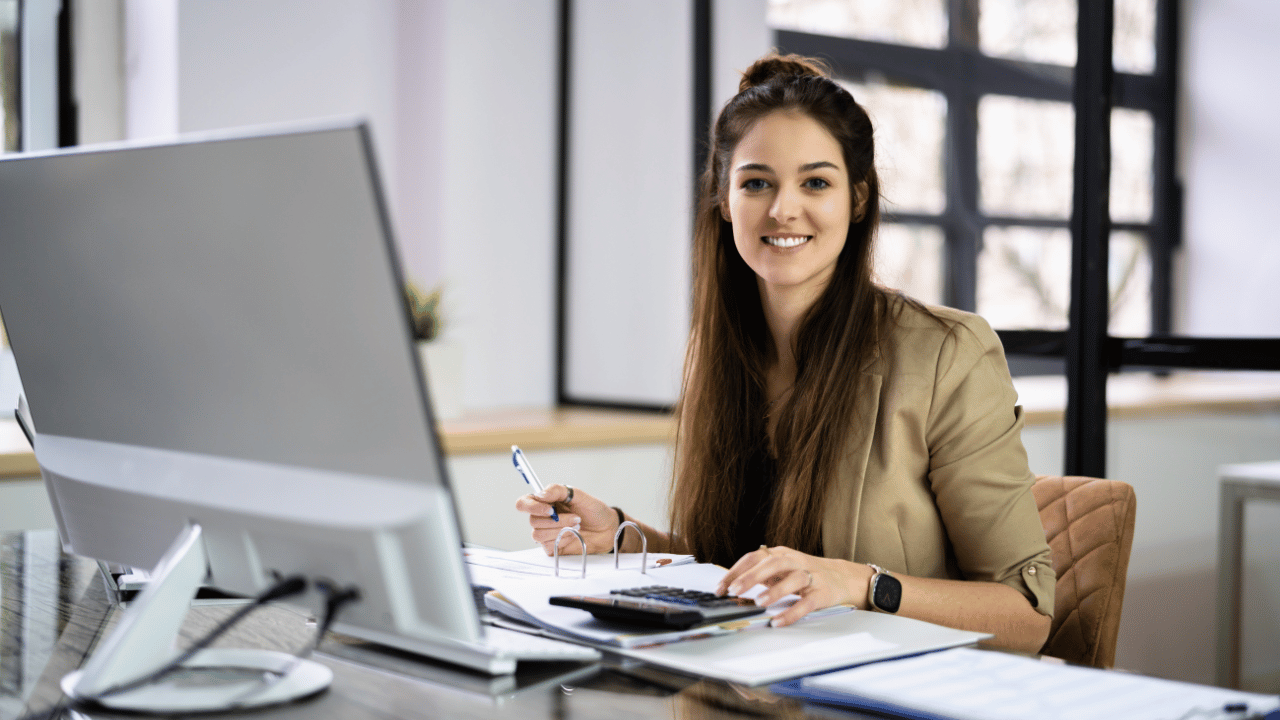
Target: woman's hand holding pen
{"points": [[820, 582], [596, 521]]}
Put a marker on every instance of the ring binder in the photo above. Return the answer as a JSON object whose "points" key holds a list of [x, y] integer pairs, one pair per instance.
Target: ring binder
{"points": [[617, 557], [581, 544]]}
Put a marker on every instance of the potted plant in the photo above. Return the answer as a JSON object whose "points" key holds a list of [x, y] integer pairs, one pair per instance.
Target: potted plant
{"points": [[441, 358]]}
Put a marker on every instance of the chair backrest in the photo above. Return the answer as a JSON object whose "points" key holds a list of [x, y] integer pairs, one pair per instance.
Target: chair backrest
{"points": [[1089, 525]]}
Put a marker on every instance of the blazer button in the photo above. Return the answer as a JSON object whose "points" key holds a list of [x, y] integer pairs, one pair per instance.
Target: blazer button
{"points": [[1031, 570]]}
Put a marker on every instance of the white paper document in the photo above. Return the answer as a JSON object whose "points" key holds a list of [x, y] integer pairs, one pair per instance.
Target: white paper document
{"points": [[970, 684], [761, 655], [835, 650], [535, 561]]}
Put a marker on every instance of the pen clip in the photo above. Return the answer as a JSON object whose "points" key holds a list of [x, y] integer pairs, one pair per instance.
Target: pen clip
{"points": [[580, 543]]}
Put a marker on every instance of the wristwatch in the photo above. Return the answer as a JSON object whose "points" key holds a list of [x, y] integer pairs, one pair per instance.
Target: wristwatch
{"points": [[885, 593]]}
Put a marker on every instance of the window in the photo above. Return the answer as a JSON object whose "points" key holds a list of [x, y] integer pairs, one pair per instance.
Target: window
{"points": [[9, 126], [972, 101]]}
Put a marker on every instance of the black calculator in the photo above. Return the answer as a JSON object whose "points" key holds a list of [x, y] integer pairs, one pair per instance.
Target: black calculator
{"points": [[661, 606]]}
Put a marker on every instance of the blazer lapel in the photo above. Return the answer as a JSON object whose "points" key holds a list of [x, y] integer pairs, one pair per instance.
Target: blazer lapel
{"points": [[844, 497]]}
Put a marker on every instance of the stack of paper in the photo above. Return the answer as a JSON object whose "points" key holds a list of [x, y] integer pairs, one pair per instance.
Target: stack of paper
{"points": [[746, 651]]}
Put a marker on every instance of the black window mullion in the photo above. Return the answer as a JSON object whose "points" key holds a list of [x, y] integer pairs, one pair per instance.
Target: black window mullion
{"points": [[964, 218], [1166, 213], [964, 222], [1087, 362]]}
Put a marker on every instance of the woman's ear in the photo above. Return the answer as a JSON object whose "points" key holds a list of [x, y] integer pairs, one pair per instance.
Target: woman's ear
{"points": [[724, 212], [860, 194]]}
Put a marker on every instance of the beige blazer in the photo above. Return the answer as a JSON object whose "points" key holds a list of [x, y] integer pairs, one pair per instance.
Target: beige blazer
{"points": [[934, 480]]}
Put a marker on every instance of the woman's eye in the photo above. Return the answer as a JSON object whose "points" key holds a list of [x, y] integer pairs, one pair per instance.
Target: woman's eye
{"points": [[755, 184], [816, 184]]}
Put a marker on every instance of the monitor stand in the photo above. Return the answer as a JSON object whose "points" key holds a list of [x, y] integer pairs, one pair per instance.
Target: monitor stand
{"points": [[144, 640]]}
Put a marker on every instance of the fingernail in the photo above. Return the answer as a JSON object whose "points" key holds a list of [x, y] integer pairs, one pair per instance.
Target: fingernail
{"points": [[734, 590]]}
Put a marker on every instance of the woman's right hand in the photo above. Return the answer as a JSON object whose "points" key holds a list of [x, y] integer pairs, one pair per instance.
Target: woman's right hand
{"points": [[596, 521]]}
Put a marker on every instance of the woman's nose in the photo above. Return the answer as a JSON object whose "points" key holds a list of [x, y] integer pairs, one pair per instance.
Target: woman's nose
{"points": [[785, 207]]}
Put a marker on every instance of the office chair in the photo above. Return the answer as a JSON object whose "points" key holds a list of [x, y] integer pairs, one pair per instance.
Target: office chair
{"points": [[1089, 525]]}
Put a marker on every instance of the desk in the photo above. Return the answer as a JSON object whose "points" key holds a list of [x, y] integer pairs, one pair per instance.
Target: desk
{"points": [[1239, 483], [54, 608]]}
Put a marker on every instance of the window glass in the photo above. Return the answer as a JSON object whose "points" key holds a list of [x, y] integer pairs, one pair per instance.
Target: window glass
{"points": [[1129, 277], [1133, 43], [907, 22], [910, 258], [1131, 165], [1024, 278], [1037, 30], [910, 124], [1025, 156], [9, 74]]}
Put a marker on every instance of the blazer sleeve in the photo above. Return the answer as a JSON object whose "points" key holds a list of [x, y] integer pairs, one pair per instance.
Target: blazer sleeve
{"points": [[978, 468]]}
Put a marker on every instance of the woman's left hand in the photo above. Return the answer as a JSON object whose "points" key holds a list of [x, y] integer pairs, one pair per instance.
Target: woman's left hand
{"points": [[820, 582]]}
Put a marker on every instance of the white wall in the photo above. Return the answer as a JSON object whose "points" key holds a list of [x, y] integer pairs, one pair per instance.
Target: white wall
{"points": [[497, 234], [629, 199], [464, 136], [1231, 258]]}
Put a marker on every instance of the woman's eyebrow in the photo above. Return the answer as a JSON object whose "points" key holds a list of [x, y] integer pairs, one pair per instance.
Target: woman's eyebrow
{"points": [[807, 167], [819, 164]]}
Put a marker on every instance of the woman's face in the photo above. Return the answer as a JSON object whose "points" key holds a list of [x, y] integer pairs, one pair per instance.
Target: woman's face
{"points": [[790, 202]]}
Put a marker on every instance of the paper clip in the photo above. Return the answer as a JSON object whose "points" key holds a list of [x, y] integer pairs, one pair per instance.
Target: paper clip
{"points": [[581, 544], [644, 546]]}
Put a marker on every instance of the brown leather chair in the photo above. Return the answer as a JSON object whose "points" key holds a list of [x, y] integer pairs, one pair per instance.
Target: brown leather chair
{"points": [[1089, 525]]}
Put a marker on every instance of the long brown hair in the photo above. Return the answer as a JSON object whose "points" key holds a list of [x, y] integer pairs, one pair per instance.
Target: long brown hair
{"points": [[721, 415]]}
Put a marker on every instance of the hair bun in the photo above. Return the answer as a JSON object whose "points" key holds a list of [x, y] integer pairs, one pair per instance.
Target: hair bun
{"points": [[774, 66]]}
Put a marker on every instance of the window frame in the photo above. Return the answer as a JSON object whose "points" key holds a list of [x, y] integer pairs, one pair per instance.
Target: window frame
{"points": [[963, 74]]}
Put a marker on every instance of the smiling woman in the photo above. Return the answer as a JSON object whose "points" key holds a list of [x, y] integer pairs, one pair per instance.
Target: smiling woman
{"points": [[836, 440], [790, 204]]}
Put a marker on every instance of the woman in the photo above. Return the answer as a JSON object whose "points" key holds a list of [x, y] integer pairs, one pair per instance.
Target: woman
{"points": [[828, 425]]}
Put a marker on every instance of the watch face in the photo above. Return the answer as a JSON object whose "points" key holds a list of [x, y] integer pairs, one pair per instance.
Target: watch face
{"points": [[887, 593]]}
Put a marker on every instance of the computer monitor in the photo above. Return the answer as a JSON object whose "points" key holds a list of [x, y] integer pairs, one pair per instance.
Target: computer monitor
{"points": [[212, 334]]}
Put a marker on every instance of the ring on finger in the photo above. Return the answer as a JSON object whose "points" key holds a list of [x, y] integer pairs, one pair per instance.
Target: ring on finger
{"points": [[764, 548], [570, 498], [808, 584]]}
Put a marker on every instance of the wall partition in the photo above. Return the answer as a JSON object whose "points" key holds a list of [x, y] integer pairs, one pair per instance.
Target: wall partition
{"points": [[639, 82]]}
